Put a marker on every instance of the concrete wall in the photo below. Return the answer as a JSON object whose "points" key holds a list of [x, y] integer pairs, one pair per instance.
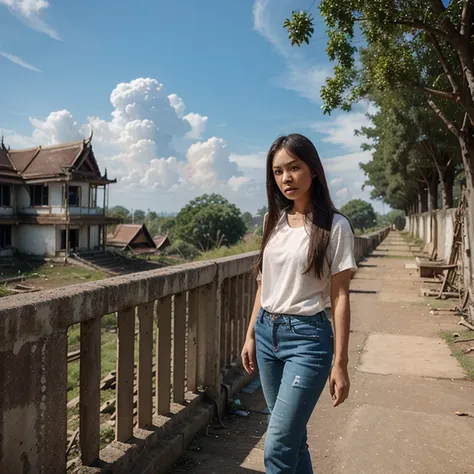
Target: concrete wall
{"points": [[437, 227], [94, 236], [36, 239]]}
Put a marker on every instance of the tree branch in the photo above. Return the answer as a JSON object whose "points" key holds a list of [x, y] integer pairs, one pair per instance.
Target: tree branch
{"points": [[420, 25], [429, 90], [444, 64], [451, 127], [446, 24], [466, 17]]}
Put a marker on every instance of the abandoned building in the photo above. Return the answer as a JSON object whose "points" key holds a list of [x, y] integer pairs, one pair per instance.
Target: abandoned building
{"points": [[52, 199]]}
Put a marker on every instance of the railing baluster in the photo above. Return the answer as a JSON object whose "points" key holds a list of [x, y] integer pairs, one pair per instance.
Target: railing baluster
{"points": [[246, 306], [193, 312], [224, 322], [89, 397], [163, 356], [145, 365], [236, 306], [231, 344], [125, 374], [243, 311], [211, 342], [202, 337], [179, 347]]}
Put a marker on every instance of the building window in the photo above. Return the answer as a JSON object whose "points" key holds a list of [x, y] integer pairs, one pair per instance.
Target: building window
{"points": [[5, 236], [93, 196], [5, 195], [74, 198], [39, 195]]}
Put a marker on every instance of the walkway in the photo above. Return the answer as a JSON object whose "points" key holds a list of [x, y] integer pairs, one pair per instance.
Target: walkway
{"points": [[406, 388]]}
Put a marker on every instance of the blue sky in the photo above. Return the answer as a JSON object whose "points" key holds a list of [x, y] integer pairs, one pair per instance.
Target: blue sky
{"points": [[183, 97]]}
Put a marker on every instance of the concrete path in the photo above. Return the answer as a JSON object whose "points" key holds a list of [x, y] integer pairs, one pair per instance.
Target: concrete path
{"points": [[406, 388]]}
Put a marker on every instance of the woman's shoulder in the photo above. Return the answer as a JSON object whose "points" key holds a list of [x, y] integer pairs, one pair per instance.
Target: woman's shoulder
{"points": [[341, 223]]}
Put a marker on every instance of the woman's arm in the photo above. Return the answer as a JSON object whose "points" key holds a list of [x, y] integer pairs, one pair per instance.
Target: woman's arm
{"points": [[248, 351], [339, 381]]}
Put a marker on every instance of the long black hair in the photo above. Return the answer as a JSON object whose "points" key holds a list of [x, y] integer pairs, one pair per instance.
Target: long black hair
{"points": [[320, 205]]}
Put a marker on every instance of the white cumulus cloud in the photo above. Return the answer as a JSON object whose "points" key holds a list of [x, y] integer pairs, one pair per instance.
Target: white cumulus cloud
{"points": [[58, 127], [145, 144], [250, 161], [198, 125], [209, 162]]}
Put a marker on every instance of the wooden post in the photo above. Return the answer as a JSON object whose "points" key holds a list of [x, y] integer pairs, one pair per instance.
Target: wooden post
{"points": [[179, 347], [163, 357], [89, 397], [145, 365], [125, 374], [193, 314]]}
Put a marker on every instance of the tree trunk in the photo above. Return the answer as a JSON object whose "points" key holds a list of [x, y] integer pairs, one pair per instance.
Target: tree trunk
{"points": [[466, 141], [433, 192], [447, 187], [423, 197]]}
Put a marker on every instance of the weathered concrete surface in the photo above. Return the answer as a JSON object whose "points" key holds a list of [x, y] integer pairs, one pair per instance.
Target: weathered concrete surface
{"points": [[391, 423], [409, 355]]}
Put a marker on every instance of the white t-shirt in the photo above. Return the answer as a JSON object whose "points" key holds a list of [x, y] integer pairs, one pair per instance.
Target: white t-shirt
{"points": [[285, 290]]}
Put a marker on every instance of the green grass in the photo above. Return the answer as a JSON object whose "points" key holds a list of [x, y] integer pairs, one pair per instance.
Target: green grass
{"points": [[164, 260], [108, 351], [411, 239], [65, 275], [249, 245], [466, 362], [4, 291]]}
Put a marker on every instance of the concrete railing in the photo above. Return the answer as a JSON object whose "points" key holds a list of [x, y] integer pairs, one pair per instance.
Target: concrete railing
{"points": [[196, 315], [368, 243]]}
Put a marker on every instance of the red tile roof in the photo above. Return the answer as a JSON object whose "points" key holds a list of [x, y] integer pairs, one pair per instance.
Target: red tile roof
{"points": [[51, 161]]}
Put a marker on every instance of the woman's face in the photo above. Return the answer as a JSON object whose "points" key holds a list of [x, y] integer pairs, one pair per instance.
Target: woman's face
{"points": [[293, 176]]}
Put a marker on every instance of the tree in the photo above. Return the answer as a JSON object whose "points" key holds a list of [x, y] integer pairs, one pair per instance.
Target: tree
{"points": [[120, 212], [248, 219], [183, 249], [425, 149], [139, 216], [262, 211], [210, 221], [360, 213], [413, 42], [151, 216]]}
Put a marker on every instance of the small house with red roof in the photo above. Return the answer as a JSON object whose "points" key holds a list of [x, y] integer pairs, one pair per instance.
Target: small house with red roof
{"points": [[133, 238]]}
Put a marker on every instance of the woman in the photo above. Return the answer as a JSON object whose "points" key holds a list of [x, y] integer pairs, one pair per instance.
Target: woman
{"points": [[307, 248]]}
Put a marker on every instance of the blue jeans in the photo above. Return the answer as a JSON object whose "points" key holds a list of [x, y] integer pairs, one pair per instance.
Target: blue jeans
{"points": [[294, 357]]}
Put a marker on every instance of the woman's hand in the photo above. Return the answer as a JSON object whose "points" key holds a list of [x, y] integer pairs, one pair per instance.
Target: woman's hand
{"points": [[339, 384], [248, 354]]}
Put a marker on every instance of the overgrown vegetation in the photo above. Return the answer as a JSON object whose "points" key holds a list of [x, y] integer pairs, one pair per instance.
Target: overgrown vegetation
{"points": [[466, 361], [249, 245]]}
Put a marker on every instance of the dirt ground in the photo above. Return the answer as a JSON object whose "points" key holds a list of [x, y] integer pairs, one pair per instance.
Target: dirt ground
{"points": [[406, 389]]}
